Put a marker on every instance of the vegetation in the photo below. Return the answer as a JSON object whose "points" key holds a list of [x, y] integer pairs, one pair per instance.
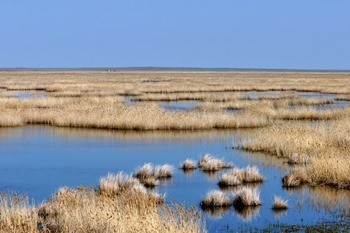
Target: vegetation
{"points": [[211, 163], [84, 210], [279, 203], [239, 176]]}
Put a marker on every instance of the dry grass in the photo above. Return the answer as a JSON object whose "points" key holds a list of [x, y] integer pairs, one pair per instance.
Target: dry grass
{"points": [[326, 145], [120, 204], [236, 176], [246, 197], [216, 198], [95, 99], [188, 164], [279, 203], [82, 210], [211, 163], [150, 171], [296, 158], [295, 178]]}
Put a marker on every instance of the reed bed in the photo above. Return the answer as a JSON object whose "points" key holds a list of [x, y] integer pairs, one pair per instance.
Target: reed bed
{"points": [[107, 113], [84, 211], [326, 149]]}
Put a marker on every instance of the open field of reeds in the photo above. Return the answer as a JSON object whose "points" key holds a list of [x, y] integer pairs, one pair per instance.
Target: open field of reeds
{"points": [[130, 100]]}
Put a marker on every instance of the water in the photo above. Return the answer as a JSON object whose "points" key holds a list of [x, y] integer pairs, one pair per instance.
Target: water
{"points": [[179, 105], [38, 160], [24, 95]]}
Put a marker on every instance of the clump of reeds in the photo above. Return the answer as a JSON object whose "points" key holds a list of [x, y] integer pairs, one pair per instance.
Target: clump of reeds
{"points": [[295, 178], [279, 203], [163, 171], [296, 158], [216, 198], [159, 171], [211, 163], [114, 184], [229, 179], [149, 174], [239, 176], [247, 197], [252, 174], [188, 164]]}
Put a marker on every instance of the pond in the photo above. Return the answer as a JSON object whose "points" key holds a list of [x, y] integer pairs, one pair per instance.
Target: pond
{"points": [[37, 160]]}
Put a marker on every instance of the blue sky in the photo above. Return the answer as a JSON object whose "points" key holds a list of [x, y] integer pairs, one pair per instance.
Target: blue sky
{"points": [[292, 34]]}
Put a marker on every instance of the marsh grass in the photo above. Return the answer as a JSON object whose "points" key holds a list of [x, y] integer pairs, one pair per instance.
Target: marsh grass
{"points": [[85, 210], [211, 163], [296, 158], [246, 197], [279, 203], [215, 199], [295, 178], [188, 164], [238, 176]]}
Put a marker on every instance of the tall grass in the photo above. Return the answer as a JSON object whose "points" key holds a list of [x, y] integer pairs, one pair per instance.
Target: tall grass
{"points": [[84, 210]]}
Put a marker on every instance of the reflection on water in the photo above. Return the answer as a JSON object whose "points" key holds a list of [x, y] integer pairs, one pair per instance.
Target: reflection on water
{"points": [[278, 213], [247, 213], [216, 212], [329, 199], [38, 160]]}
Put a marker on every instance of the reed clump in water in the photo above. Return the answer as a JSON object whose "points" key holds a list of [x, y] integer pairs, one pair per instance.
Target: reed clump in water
{"points": [[246, 197], [279, 203], [211, 163], [149, 175], [237, 176], [188, 164], [295, 178], [215, 199]]}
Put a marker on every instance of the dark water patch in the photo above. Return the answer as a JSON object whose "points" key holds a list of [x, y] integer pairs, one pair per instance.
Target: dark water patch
{"points": [[179, 105], [39, 160], [24, 95], [316, 95]]}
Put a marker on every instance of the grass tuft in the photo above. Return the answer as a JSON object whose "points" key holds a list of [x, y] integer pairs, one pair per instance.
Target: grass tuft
{"points": [[188, 164], [246, 197], [216, 198], [279, 203], [211, 163]]}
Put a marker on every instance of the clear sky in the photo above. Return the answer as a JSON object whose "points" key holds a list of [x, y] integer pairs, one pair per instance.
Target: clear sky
{"points": [[293, 34]]}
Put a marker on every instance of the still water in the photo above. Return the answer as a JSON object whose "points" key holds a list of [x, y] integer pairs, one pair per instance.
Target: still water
{"points": [[37, 160]]}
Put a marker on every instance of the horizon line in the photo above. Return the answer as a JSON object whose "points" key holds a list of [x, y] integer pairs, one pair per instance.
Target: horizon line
{"points": [[165, 68]]}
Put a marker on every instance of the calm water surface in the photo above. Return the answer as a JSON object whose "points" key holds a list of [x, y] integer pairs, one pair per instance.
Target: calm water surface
{"points": [[38, 160]]}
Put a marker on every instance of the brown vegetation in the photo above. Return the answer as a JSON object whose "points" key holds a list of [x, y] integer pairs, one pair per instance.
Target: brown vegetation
{"points": [[84, 210]]}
